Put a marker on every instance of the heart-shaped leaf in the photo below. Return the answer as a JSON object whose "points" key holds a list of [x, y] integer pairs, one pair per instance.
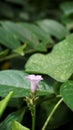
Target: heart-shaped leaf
{"points": [[58, 64]]}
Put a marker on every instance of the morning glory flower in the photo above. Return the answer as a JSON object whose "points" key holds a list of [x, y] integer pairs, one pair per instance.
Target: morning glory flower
{"points": [[34, 80]]}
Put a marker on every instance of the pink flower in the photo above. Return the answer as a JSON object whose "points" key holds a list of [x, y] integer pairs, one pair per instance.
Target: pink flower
{"points": [[34, 80]]}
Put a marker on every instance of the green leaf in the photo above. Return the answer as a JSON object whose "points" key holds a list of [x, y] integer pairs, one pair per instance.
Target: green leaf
{"points": [[44, 38], [4, 103], [42, 35], [7, 123], [67, 7], [21, 33], [53, 28], [67, 93], [58, 64], [13, 80], [18, 126], [4, 53], [8, 40]]}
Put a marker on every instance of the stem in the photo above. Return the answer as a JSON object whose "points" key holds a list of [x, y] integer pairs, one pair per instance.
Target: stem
{"points": [[16, 55], [9, 57], [52, 112], [33, 117]]}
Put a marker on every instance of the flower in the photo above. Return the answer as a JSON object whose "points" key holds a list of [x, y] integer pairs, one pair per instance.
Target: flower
{"points": [[34, 80]]}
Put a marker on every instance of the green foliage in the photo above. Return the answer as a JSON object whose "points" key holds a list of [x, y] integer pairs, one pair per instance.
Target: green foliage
{"points": [[25, 33], [67, 8], [4, 103], [36, 38], [53, 28], [7, 123], [67, 93], [8, 40], [61, 116], [18, 126], [61, 69], [13, 80]]}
